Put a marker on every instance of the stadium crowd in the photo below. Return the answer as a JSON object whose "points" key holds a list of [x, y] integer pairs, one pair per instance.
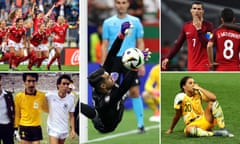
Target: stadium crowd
{"points": [[47, 81]]}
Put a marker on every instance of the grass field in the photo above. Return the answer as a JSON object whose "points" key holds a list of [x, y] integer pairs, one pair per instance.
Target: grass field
{"points": [[5, 67], [126, 131], [226, 88]]}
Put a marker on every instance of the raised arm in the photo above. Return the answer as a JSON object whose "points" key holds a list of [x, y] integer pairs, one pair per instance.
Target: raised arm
{"points": [[116, 45]]}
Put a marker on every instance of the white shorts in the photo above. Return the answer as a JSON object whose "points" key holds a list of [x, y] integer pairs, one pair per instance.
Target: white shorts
{"points": [[57, 134], [43, 47], [58, 45], [35, 48], [16, 46]]}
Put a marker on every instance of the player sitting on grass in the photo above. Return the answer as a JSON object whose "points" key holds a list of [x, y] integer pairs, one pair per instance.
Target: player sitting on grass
{"points": [[198, 122], [107, 95]]}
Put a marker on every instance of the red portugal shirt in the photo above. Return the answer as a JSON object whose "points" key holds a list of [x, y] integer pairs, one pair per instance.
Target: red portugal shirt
{"points": [[227, 43], [197, 45], [60, 32]]}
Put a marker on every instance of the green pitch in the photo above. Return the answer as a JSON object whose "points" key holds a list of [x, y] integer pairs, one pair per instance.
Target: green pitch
{"points": [[126, 131], [226, 88], [5, 67]]}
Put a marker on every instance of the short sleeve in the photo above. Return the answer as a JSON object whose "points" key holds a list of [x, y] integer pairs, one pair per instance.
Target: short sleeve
{"points": [[178, 100]]}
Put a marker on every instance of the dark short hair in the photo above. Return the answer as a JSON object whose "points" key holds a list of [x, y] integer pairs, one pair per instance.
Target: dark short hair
{"points": [[183, 82], [35, 75], [227, 15], [64, 76], [95, 78], [197, 2]]}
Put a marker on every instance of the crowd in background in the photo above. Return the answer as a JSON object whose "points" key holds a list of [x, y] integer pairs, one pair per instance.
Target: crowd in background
{"points": [[47, 81]]}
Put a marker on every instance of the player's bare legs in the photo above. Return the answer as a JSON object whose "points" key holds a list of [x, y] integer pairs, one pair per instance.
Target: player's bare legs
{"points": [[29, 142], [56, 56], [54, 140], [44, 55]]}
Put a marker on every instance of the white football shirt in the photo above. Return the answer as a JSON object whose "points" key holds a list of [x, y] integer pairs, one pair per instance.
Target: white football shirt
{"points": [[59, 108]]}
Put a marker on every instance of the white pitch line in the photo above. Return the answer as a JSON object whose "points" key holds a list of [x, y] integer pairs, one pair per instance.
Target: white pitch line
{"points": [[119, 134]]}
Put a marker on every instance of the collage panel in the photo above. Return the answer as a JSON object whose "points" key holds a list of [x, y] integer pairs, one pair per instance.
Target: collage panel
{"points": [[39, 71], [199, 105], [39, 107], [201, 36], [39, 36], [116, 106]]}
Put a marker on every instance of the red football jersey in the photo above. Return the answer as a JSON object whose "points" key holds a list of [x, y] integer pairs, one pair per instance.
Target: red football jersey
{"points": [[2, 34], [227, 43], [197, 45], [16, 34], [47, 34], [60, 32], [36, 23], [36, 38]]}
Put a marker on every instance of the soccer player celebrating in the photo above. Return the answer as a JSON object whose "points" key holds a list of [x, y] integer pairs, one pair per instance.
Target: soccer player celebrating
{"points": [[194, 32], [198, 122], [3, 32], [60, 30], [44, 47], [227, 45], [107, 95], [35, 41], [16, 35]]}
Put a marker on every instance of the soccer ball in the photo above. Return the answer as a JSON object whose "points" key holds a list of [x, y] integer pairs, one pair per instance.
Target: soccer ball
{"points": [[133, 58]]}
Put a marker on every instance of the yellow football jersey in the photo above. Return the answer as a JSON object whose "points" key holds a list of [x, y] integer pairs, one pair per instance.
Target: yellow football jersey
{"points": [[28, 108], [191, 107]]}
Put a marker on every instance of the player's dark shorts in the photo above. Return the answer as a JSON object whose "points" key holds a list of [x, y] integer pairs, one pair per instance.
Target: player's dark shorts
{"points": [[118, 67], [31, 133]]}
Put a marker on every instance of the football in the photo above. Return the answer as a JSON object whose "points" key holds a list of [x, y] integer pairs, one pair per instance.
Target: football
{"points": [[133, 58]]}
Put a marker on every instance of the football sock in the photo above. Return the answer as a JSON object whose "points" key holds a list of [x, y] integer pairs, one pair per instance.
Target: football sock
{"points": [[200, 132], [218, 114], [51, 61], [5, 57], [39, 63], [59, 60], [138, 109]]}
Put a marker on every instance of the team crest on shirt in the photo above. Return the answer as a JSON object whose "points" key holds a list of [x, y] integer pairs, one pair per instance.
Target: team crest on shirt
{"points": [[35, 105], [65, 106]]}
